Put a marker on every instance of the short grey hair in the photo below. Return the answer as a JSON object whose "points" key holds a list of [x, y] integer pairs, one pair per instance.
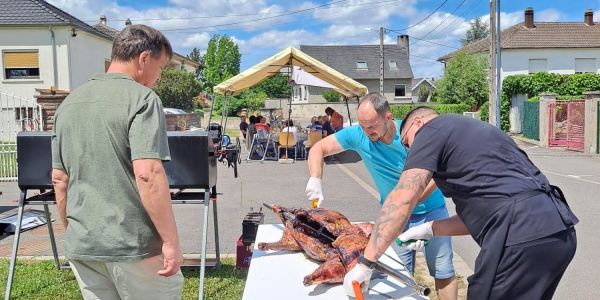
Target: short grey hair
{"points": [[135, 39], [380, 104]]}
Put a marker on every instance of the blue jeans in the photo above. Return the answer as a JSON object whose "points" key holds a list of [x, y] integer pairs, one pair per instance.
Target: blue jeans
{"points": [[438, 253]]}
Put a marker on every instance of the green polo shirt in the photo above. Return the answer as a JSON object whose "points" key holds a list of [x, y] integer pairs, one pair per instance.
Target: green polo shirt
{"points": [[99, 130]]}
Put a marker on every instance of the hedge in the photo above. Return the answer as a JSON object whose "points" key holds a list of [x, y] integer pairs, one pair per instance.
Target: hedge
{"points": [[532, 85], [400, 110]]}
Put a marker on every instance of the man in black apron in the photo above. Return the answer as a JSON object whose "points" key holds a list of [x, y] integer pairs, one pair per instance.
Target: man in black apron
{"points": [[522, 223]]}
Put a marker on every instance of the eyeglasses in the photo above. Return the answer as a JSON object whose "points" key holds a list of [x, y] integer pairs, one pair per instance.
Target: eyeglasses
{"points": [[404, 139]]}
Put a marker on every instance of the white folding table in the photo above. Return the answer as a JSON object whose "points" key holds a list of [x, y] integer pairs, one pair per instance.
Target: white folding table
{"points": [[279, 275]]}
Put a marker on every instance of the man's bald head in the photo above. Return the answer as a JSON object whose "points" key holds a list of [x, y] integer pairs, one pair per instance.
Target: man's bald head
{"points": [[375, 101]]}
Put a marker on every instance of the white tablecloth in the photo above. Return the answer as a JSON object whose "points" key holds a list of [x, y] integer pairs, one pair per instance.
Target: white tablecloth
{"points": [[279, 275]]}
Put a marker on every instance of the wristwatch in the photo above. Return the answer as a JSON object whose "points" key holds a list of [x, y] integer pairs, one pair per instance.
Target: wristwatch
{"points": [[369, 264]]}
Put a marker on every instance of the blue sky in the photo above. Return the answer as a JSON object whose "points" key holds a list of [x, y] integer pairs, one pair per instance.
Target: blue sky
{"points": [[263, 27]]}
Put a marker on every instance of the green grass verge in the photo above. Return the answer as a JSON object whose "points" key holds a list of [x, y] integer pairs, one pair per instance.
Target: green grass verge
{"points": [[40, 280]]}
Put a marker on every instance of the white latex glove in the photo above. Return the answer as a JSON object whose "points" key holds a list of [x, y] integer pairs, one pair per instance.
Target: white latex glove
{"points": [[420, 233], [360, 273], [314, 190]]}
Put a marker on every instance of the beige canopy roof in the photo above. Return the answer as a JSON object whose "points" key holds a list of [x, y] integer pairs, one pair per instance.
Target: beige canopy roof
{"points": [[287, 58]]}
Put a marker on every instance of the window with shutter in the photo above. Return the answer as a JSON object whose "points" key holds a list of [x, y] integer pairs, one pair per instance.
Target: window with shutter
{"points": [[21, 64]]}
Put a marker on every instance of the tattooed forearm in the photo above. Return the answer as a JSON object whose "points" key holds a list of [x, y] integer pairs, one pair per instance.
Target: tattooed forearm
{"points": [[397, 208]]}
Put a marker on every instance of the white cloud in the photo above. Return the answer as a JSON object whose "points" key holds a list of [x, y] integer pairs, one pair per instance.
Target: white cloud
{"points": [[198, 40], [280, 39], [361, 12]]}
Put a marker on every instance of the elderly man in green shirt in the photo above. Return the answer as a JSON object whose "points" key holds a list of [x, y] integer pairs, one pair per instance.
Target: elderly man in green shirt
{"points": [[113, 196]]}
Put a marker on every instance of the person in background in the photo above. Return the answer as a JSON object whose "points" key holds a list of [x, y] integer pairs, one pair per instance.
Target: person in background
{"points": [[261, 124], [315, 125], [243, 125], [326, 125], [289, 127], [251, 130], [112, 192], [337, 121]]}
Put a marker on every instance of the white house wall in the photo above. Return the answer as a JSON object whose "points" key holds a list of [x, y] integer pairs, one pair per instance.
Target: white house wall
{"points": [[88, 54], [560, 61], [36, 38]]}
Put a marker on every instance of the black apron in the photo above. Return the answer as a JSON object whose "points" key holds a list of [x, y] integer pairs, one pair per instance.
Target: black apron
{"points": [[489, 225]]}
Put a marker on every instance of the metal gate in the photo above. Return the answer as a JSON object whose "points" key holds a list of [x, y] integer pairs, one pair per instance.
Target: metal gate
{"points": [[16, 114], [567, 124], [531, 120]]}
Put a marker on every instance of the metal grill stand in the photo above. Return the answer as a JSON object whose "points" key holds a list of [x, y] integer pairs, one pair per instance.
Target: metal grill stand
{"points": [[192, 166]]}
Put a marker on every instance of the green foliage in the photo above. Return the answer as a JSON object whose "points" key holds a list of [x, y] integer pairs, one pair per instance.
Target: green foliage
{"points": [[464, 81], [177, 88], [569, 87], [275, 86], [400, 110], [251, 99], [423, 93], [196, 57], [479, 30], [221, 61], [484, 111], [332, 96]]}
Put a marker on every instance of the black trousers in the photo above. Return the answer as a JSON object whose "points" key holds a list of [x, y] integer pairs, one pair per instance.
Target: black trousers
{"points": [[532, 270]]}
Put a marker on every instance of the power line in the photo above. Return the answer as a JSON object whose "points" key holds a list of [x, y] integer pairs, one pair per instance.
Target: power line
{"points": [[219, 16], [432, 42], [423, 57], [279, 14], [422, 20], [386, 3], [436, 27], [475, 5]]}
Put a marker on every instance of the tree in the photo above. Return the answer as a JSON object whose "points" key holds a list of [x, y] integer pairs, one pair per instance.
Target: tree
{"points": [[275, 86], [197, 57], [332, 96], [479, 30], [464, 81], [177, 88], [250, 99], [221, 61]]}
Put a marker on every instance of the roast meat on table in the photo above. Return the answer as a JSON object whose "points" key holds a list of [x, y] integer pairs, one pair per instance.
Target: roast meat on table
{"points": [[308, 231]]}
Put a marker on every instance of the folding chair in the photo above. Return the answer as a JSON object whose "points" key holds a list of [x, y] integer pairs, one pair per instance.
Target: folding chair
{"points": [[313, 138], [258, 146], [287, 141]]}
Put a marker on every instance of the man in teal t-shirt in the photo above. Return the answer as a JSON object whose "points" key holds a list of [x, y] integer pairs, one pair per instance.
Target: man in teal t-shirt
{"points": [[378, 142]]}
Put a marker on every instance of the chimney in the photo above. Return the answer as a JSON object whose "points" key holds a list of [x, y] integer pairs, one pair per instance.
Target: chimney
{"points": [[103, 19], [127, 22], [529, 18], [588, 17], [403, 43]]}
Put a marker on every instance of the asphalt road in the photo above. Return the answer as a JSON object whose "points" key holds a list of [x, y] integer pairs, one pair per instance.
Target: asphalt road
{"points": [[349, 189], [579, 177]]}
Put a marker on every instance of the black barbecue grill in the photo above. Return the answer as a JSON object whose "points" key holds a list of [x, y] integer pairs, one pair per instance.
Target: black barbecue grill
{"points": [[192, 174]]}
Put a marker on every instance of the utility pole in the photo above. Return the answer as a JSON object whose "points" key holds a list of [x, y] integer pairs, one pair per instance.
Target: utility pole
{"points": [[492, 64], [381, 35], [498, 66]]}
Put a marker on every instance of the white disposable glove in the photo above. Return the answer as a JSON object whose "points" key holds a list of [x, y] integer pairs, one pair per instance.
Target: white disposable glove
{"points": [[420, 233], [360, 273], [314, 190]]}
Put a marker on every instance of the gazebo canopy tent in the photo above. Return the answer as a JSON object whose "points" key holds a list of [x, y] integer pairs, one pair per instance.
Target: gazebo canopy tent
{"points": [[290, 57], [293, 60]]}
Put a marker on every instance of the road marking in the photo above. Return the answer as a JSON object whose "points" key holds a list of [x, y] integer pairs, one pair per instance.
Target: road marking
{"points": [[360, 182], [525, 148], [575, 177]]}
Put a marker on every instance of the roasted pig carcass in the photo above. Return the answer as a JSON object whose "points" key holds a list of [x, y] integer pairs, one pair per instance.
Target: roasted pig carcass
{"points": [[323, 235]]}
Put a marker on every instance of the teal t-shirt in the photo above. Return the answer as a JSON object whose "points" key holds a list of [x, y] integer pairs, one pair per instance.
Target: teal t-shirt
{"points": [[385, 163]]}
